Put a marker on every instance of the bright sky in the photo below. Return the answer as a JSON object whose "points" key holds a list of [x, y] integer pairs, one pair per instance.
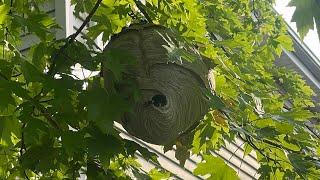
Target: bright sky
{"points": [[311, 40]]}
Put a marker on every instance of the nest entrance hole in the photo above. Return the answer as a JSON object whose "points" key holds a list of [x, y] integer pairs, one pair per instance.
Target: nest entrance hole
{"points": [[159, 100]]}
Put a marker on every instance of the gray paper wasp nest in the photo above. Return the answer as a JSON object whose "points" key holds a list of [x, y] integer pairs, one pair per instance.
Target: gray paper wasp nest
{"points": [[172, 93]]}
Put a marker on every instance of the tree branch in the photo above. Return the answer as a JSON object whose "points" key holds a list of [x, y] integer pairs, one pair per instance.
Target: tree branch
{"points": [[142, 10], [85, 22], [73, 37]]}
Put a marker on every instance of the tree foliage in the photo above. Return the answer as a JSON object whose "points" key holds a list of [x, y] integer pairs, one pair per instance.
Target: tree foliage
{"points": [[54, 125], [306, 15]]}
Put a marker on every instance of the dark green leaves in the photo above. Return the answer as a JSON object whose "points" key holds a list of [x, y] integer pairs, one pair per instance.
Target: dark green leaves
{"points": [[118, 62], [73, 54], [104, 147], [36, 131], [31, 73], [5, 95], [41, 53], [104, 108], [267, 132], [132, 147], [305, 14], [73, 142], [216, 102], [41, 158], [5, 69], [302, 164]]}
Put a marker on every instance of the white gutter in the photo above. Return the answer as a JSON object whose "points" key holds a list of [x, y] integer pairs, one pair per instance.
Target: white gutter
{"points": [[303, 68]]}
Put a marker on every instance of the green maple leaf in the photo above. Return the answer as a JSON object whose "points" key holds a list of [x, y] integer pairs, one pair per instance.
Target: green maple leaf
{"points": [[158, 174], [73, 142], [4, 9], [104, 108], [36, 130], [118, 62], [6, 98], [6, 68], [307, 11], [9, 126], [217, 169], [31, 73], [104, 146]]}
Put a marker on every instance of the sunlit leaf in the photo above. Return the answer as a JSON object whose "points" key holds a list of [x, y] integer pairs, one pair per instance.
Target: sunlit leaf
{"points": [[216, 168]]}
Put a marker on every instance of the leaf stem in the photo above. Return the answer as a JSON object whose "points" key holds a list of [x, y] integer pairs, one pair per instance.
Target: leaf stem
{"points": [[23, 148]]}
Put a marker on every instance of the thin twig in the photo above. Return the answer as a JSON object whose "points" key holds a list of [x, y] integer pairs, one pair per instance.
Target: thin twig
{"points": [[11, 5], [235, 151], [312, 131], [271, 143], [45, 101], [85, 22], [16, 75], [73, 37], [13, 38]]}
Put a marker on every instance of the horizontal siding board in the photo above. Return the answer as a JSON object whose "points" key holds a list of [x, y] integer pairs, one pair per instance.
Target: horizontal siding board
{"points": [[246, 167], [28, 41], [239, 143], [168, 163], [240, 164], [236, 162], [235, 153], [148, 165], [242, 174]]}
